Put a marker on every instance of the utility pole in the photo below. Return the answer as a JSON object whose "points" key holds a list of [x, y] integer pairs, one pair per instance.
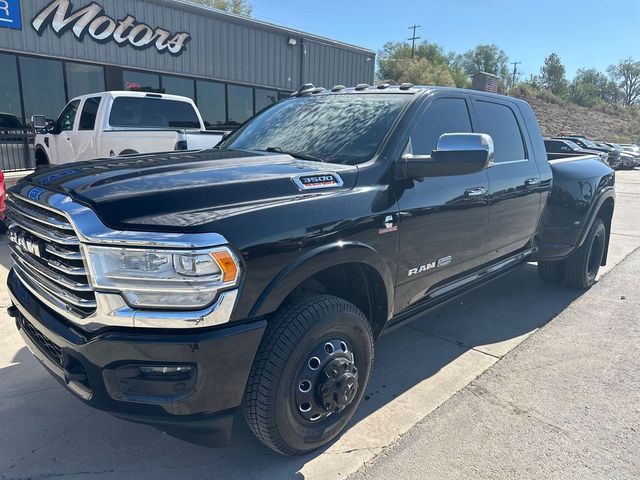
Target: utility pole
{"points": [[413, 39], [515, 71]]}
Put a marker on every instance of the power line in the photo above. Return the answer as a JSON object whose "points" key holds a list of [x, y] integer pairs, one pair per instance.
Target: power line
{"points": [[515, 71], [413, 38]]}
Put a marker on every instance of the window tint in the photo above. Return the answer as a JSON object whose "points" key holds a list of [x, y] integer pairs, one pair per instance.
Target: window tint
{"points": [[146, 82], [83, 79], [178, 86], [240, 103], [500, 122], [42, 87], [68, 116], [345, 129], [553, 146], [212, 104], [89, 113], [149, 112], [444, 115], [264, 98], [10, 111]]}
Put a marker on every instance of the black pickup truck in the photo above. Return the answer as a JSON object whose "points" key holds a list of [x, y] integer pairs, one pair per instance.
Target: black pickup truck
{"points": [[172, 289]]}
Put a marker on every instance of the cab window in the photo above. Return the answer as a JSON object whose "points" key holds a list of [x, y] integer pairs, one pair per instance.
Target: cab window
{"points": [[68, 116], [444, 115], [500, 122]]}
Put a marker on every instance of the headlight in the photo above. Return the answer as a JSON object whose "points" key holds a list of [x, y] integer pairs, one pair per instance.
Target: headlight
{"points": [[154, 278]]}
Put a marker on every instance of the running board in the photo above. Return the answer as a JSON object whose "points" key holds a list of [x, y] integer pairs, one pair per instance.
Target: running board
{"points": [[445, 293]]}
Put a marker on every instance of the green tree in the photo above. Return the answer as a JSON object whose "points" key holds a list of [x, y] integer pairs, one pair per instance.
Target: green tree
{"points": [[240, 7], [626, 75], [590, 86], [552, 75], [427, 67], [487, 58]]}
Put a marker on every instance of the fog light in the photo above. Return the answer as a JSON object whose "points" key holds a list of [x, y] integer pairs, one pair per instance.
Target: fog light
{"points": [[165, 370]]}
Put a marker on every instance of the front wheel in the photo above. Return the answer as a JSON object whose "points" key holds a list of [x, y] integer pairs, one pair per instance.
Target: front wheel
{"points": [[309, 374], [583, 264]]}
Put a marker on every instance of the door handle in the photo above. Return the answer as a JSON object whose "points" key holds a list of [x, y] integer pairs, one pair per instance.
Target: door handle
{"points": [[532, 181], [475, 192]]}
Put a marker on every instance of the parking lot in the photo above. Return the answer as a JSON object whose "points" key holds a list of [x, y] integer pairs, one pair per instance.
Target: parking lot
{"points": [[49, 433]]}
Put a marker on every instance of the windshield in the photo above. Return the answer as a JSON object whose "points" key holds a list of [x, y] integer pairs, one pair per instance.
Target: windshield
{"points": [[589, 143], [344, 128], [573, 145]]}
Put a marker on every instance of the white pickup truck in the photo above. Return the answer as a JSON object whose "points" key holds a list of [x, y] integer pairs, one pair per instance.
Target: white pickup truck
{"points": [[108, 124]]}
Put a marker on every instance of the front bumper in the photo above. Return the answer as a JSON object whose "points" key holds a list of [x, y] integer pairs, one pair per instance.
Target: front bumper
{"points": [[103, 368]]}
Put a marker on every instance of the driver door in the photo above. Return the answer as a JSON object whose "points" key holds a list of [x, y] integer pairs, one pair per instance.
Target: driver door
{"points": [[62, 139], [443, 220]]}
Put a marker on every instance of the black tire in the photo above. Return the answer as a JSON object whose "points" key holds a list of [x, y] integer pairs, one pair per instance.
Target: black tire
{"points": [[271, 395], [583, 264], [551, 272]]}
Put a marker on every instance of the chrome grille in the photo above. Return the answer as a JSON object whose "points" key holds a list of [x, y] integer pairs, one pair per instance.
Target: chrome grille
{"points": [[47, 257]]}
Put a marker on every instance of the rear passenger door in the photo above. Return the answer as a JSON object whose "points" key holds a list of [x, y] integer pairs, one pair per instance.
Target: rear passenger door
{"points": [[514, 180]]}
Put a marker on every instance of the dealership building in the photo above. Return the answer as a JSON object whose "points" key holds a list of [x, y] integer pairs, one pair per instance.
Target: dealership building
{"points": [[231, 65]]}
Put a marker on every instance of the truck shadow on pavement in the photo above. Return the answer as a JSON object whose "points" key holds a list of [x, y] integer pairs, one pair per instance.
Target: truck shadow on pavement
{"points": [[47, 432]]}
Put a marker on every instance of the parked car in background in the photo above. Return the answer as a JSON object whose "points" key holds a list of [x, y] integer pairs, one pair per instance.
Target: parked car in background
{"points": [[627, 159], [321, 223], [566, 148], [121, 123], [613, 157]]}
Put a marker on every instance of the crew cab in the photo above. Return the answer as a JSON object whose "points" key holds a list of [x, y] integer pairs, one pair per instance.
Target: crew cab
{"points": [[116, 123], [174, 289]]}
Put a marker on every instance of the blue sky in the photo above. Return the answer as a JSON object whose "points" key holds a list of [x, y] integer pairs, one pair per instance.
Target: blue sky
{"points": [[585, 33]]}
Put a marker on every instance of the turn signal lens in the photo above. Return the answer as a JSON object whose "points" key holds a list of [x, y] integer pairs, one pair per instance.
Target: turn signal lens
{"points": [[227, 264]]}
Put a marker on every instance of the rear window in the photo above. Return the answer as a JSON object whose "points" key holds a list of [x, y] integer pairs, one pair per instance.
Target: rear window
{"points": [[149, 112]]}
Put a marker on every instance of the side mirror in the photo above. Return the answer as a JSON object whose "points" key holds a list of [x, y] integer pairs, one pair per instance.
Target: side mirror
{"points": [[456, 154], [39, 122]]}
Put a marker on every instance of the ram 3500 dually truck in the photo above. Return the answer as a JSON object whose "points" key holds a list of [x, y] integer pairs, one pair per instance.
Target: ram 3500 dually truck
{"points": [[173, 289], [116, 123]]}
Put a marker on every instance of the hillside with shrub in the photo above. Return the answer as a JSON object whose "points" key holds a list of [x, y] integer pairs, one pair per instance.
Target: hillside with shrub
{"points": [[602, 122]]}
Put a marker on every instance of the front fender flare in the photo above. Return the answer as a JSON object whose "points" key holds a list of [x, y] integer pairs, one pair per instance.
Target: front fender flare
{"points": [[319, 259]]}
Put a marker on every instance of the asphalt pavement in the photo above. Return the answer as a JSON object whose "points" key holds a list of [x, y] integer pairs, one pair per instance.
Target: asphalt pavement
{"points": [[565, 404]]}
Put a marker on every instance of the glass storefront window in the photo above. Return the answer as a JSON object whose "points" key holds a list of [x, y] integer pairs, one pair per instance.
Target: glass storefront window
{"points": [[211, 103], [178, 86], [240, 100], [264, 98], [10, 111], [145, 82], [83, 79], [42, 87]]}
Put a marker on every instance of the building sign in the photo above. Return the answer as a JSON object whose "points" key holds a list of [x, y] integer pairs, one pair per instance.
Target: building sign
{"points": [[92, 20], [10, 14]]}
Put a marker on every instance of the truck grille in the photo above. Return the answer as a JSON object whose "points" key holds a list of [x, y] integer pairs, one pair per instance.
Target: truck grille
{"points": [[50, 349], [47, 256]]}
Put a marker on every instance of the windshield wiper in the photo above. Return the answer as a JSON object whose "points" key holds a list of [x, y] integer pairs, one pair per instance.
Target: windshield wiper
{"points": [[302, 156]]}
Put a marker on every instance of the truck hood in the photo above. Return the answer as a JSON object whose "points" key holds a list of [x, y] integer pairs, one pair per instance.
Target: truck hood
{"points": [[188, 191]]}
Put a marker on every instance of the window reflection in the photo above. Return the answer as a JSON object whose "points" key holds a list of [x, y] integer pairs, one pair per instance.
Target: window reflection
{"points": [[265, 98], [240, 103], [178, 86], [42, 87], [140, 81], [211, 103], [83, 79], [341, 128], [10, 111]]}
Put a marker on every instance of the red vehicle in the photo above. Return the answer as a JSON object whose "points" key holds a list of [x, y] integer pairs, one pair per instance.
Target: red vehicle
{"points": [[3, 207]]}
